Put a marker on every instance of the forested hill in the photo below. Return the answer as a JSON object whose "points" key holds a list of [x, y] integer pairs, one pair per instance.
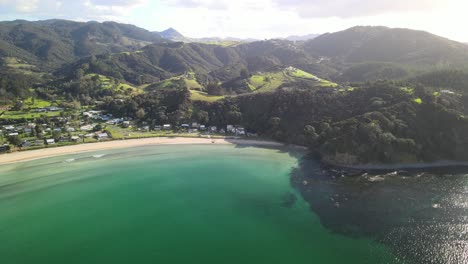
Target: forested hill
{"points": [[208, 62], [381, 44], [55, 42]]}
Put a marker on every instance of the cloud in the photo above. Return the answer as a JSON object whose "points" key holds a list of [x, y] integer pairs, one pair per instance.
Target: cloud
{"points": [[99, 10], [355, 8]]}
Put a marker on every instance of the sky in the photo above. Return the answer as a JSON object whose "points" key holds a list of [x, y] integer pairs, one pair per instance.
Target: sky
{"points": [[259, 19]]}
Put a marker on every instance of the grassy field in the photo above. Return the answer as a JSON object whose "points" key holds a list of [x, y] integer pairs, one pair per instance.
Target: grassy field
{"points": [[201, 96], [297, 73], [302, 74], [192, 84], [269, 81], [38, 103], [127, 133], [26, 114]]}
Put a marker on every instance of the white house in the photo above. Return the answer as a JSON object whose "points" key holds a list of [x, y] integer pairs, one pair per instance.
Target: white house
{"points": [[50, 141], [240, 131], [230, 129], [167, 127], [101, 136]]}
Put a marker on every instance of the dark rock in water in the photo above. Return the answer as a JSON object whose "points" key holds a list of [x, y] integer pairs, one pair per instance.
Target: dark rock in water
{"points": [[289, 200]]}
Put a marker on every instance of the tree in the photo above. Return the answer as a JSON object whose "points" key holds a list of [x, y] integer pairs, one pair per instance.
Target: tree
{"points": [[244, 73], [213, 88], [203, 117], [140, 114], [18, 106], [15, 140], [56, 135]]}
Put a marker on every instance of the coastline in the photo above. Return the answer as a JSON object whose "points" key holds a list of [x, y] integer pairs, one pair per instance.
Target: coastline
{"points": [[404, 167], [23, 156]]}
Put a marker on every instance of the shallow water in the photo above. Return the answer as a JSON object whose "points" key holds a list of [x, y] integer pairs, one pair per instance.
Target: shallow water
{"points": [[167, 204]]}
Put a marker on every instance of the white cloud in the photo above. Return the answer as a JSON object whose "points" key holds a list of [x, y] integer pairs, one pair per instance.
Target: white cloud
{"points": [[253, 18]]}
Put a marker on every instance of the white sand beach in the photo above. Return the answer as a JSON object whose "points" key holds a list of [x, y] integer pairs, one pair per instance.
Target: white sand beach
{"points": [[57, 151]]}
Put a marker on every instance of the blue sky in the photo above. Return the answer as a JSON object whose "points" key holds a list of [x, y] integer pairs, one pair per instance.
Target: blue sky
{"points": [[253, 19]]}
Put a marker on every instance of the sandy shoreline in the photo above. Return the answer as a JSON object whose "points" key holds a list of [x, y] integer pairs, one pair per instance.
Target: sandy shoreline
{"points": [[21, 156]]}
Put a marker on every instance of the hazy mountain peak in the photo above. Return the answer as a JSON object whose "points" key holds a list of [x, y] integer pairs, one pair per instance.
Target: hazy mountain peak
{"points": [[171, 34]]}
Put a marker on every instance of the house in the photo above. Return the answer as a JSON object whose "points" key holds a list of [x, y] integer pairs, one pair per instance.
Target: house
{"points": [[9, 128], [38, 143], [105, 118], [185, 126], [90, 135], [145, 128], [202, 127], [447, 92], [194, 125], [75, 138], [193, 130], [213, 129], [125, 124], [70, 129], [40, 110], [240, 131], [25, 144], [54, 109], [167, 127], [230, 129], [157, 128], [87, 128], [57, 129], [13, 134], [101, 136], [50, 141]]}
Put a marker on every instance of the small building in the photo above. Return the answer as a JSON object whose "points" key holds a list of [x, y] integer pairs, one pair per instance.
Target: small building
{"points": [[125, 124], [447, 92], [9, 128], [230, 129], [157, 127], [240, 131], [167, 126], [70, 129], [202, 127], [86, 128], [13, 134], [25, 144], [195, 125], [54, 109], [50, 141], [213, 129], [185, 126], [101, 136], [75, 138]]}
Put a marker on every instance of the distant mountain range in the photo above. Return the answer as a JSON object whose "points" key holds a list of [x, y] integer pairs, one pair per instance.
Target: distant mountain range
{"points": [[129, 52]]}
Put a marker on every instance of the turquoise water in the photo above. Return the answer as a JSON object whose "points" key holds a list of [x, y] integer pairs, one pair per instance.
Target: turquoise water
{"points": [[167, 204]]}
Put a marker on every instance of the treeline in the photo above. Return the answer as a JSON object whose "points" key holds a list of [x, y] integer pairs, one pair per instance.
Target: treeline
{"points": [[377, 123], [161, 106], [15, 85]]}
